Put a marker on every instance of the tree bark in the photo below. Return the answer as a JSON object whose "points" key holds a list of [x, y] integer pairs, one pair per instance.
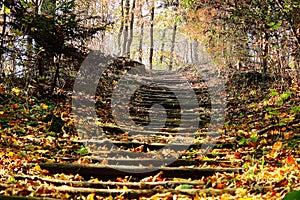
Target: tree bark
{"points": [[131, 29], [121, 27], [56, 75], [172, 47], [162, 47], [126, 27], [2, 43], [265, 54], [141, 32], [151, 35]]}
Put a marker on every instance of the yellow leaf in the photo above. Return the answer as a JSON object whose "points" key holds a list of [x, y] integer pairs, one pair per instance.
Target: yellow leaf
{"points": [[96, 180], [294, 88], [44, 106], [206, 158], [90, 196], [6, 10], [109, 198], [1, 112], [241, 192], [65, 196], [115, 82], [37, 168], [266, 116], [11, 154], [278, 194], [16, 91]]}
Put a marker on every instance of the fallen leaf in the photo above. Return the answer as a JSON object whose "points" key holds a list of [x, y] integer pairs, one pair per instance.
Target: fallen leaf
{"points": [[275, 149]]}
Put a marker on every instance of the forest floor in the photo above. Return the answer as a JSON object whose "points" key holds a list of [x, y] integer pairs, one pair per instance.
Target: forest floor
{"points": [[257, 156]]}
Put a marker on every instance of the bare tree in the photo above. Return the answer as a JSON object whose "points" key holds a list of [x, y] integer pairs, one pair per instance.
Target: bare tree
{"points": [[4, 25], [126, 27], [141, 31], [130, 38], [121, 26], [162, 46], [172, 46], [151, 34]]}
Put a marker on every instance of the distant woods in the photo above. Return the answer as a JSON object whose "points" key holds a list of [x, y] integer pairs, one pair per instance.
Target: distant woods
{"points": [[261, 36], [43, 42]]}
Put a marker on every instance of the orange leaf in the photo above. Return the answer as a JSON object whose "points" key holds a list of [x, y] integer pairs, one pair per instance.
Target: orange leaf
{"points": [[139, 149], [119, 179], [275, 149], [1, 90], [252, 144], [291, 160], [48, 16], [158, 177], [220, 186]]}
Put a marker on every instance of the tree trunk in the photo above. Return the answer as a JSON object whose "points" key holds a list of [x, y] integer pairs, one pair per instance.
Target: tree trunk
{"points": [[162, 47], [56, 75], [40, 66], [131, 29], [172, 47], [2, 44], [121, 28], [141, 43], [141, 34], [265, 55], [151, 36], [127, 9]]}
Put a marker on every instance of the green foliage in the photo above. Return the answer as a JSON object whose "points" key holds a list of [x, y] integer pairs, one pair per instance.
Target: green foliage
{"points": [[48, 38], [293, 195], [188, 3], [272, 111], [48, 7], [295, 109], [253, 26], [50, 29], [283, 97], [183, 187], [274, 25], [245, 141], [12, 179], [83, 151], [274, 93], [292, 143]]}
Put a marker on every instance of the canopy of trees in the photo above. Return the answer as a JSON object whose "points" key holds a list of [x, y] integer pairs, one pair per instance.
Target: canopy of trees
{"points": [[49, 39]]}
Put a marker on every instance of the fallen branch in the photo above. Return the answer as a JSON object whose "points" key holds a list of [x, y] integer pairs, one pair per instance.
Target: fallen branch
{"points": [[151, 162], [110, 171], [110, 184], [131, 194], [272, 126]]}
